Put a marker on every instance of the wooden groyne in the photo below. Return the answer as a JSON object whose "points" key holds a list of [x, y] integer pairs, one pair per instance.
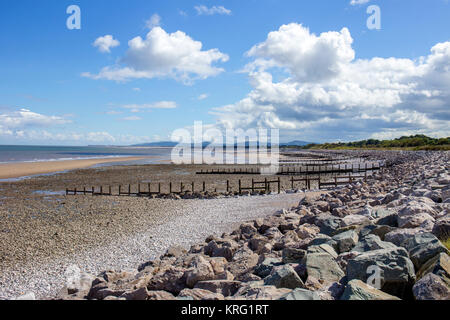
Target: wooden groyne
{"points": [[254, 186]]}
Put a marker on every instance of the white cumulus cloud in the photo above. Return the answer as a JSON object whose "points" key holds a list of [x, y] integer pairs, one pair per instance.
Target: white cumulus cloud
{"points": [[161, 54], [325, 92], [105, 43]]}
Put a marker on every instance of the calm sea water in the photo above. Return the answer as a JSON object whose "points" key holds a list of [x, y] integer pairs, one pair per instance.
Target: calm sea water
{"points": [[45, 153]]}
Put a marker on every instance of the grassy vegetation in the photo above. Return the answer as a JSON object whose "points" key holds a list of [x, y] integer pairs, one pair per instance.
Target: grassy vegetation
{"points": [[446, 243], [416, 142]]}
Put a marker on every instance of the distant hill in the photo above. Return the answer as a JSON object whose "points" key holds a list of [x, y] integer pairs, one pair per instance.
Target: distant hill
{"points": [[157, 144], [296, 143], [415, 142]]}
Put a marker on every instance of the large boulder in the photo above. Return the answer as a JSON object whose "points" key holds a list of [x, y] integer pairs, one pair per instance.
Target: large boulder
{"points": [[354, 219], [432, 287], [441, 227], [200, 294], [346, 240], [200, 270], [300, 294], [265, 267], [244, 260], [439, 265], [358, 290], [171, 280], [398, 236], [372, 242], [422, 247], [415, 214], [323, 248], [323, 267], [260, 292], [284, 277], [293, 255], [327, 223], [224, 287], [396, 269]]}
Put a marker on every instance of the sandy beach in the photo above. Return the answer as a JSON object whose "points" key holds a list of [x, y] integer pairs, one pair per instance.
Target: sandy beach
{"points": [[22, 169]]}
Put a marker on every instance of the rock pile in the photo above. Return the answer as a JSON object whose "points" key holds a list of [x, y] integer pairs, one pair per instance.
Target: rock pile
{"points": [[380, 239]]}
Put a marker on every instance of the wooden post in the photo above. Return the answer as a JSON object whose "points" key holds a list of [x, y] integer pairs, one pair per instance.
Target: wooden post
{"points": [[240, 191], [193, 187], [181, 187], [204, 186], [279, 185], [170, 187], [67, 191], [75, 191], [159, 187], [267, 187], [292, 183], [335, 181], [101, 190], [120, 191], [149, 189], [129, 190], [308, 183], [84, 190], [93, 191], [253, 185], [228, 185], [139, 189]]}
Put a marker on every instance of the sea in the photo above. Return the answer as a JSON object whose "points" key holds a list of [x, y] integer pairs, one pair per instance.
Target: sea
{"points": [[11, 154]]}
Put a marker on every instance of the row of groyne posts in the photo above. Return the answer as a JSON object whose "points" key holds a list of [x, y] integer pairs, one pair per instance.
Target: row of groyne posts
{"points": [[264, 186]]}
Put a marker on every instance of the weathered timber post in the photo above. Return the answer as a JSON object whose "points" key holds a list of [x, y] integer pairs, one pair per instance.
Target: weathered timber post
{"points": [[228, 185], [120, 189], [267, 186], [170, 187], [240, 190], [84, 190], [253, 185], [279, 185], [75, 191], [93, 191], [292, 183], [129, 190], [193, 187], [204, 186]]}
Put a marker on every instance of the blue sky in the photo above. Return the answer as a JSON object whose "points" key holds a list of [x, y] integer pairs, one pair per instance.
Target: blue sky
{"points": [[53, 90]]}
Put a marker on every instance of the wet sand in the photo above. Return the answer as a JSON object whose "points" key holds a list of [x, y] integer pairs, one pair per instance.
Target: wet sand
{"points": [[22, 169]]}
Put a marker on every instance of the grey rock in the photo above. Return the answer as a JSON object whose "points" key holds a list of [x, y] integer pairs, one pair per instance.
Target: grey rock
{"points": [[323, 248], [322, 266], [358, 290], [292, 255], [372, 242], [397, 270], [432, 287], [327, 223], [441, 227], [300, 294], [422, 247], [346, 240], [265, 267], [284, 277]]}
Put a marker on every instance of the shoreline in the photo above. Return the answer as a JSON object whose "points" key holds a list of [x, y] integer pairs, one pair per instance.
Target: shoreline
{"points": [[23, 169]]}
